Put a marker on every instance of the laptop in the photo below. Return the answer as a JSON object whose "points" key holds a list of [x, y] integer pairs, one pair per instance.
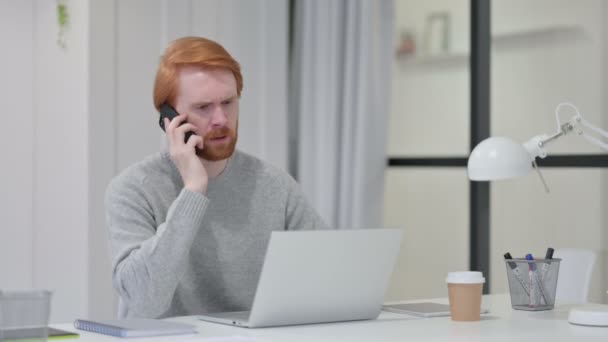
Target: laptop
{"points": [[320, 276]]}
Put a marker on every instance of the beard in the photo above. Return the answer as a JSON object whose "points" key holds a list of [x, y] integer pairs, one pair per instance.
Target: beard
{"points": [[214, 151]]}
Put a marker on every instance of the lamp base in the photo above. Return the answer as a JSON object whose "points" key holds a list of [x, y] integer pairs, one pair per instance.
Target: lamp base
{"points": [[595, 315]]}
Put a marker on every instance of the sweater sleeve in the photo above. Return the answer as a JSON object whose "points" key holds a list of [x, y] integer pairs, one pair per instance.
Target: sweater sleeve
{"points": [[300, 214], [148, 258]]}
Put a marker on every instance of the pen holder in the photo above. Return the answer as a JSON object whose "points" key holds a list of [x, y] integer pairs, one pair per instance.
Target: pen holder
{"points": [[24, 315], [532, 283]]}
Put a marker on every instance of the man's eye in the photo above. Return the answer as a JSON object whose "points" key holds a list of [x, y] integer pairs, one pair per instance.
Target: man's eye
{"points": [[203, 107], [227, 102]]}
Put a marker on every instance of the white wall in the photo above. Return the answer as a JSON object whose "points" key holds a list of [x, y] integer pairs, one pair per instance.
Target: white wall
{"points": [[431, 207], [84, 113]]}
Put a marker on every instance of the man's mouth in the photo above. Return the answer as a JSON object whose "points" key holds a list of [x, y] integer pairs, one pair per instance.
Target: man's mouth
{"points": [[223, 137]]}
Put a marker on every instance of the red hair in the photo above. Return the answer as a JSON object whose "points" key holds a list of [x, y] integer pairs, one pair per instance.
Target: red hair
{"points": [[190, 51]]}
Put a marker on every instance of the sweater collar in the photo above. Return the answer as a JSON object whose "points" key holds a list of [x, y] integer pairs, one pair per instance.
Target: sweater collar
{"points": [[216, 180]]}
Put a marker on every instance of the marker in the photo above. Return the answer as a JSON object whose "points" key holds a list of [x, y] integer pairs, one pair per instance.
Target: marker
{"points": [[549, 254], [548, 257], [516, 272]]}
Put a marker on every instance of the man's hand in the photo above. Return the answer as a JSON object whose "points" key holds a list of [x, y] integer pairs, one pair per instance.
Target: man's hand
{"points": [[184, 156]]}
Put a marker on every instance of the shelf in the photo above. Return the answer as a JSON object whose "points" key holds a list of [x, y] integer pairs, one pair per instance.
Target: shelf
{"points": [[540, 35], [539, 32], [536, 36]]}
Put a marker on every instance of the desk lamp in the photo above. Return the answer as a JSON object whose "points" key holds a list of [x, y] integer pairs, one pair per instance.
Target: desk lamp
{"points": [[499, 158]]}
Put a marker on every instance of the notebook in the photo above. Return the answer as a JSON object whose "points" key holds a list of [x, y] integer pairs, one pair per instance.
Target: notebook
{"points": [[135, 327], [320, 276]]}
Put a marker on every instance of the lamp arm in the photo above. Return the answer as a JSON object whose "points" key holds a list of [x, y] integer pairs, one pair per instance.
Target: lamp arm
{"points": [[536, 145], [595, 129]]}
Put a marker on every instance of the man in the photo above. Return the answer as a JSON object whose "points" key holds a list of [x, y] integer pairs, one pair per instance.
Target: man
{"points": [[188, 228]]}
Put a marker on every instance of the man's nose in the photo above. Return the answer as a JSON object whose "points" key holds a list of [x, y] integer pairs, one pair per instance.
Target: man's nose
{"points": [[219, 117]]}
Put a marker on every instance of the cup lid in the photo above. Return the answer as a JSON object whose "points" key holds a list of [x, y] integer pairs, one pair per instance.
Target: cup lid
{"points": [[468, 277]]}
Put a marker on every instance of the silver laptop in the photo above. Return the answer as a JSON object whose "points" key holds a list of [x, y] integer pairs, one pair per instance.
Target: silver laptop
{"points": [[320, 276]]}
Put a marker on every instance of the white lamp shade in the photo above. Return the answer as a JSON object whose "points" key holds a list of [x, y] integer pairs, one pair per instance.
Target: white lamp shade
{"points": [[498, 158]]}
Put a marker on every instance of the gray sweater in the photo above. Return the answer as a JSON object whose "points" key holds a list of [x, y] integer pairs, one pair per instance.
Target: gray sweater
{"points": [[177, 252]]}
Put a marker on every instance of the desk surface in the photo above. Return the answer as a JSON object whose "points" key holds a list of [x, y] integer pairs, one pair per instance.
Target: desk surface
{"points": [[501, 324]]}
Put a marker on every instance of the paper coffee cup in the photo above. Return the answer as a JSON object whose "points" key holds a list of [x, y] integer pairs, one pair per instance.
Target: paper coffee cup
{"points": [[464, 292]]}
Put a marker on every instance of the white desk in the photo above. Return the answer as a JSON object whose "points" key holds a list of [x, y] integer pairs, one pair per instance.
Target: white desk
{"points": [[501, 324]]}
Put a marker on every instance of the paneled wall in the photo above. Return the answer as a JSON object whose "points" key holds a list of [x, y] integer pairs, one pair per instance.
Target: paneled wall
{"points": [[44, 213], [17, 169], [82, 114]]}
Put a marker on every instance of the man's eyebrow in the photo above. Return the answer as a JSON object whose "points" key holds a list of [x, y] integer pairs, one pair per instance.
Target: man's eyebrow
{"points": [[231, 97], [200, 104], [204, 103]]}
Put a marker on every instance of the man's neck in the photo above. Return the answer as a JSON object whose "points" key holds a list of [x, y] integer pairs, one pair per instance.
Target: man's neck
{"points": [[214, 168]]}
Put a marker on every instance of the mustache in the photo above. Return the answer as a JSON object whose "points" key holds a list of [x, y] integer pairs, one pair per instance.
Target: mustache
{"points": [[219, 132]]}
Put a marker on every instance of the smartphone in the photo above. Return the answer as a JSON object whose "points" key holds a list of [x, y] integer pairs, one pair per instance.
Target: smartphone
{"points": [[166, 111]]}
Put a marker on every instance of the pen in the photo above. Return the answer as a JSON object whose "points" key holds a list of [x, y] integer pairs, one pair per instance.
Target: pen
{"points": [[531, 280], [516, 272], [546, 266], [531, 268], [534, 282]]}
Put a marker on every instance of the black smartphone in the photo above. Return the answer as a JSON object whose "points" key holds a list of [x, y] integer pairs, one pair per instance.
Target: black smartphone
{"points": [[166, 111]]}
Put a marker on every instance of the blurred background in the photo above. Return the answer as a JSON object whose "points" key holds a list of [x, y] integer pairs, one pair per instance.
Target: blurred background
{"points": [[366, 103]]}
